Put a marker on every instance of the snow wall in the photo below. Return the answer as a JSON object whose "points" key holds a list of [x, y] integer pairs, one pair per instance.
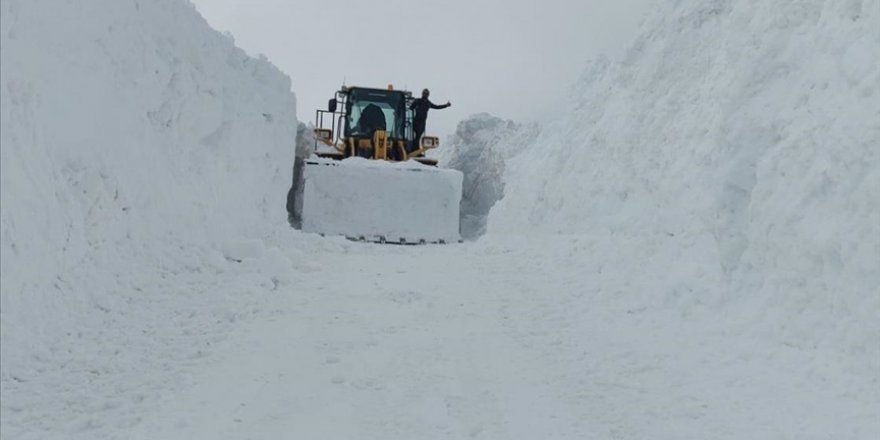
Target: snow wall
{"points": [[137, 143], [729, 164]]}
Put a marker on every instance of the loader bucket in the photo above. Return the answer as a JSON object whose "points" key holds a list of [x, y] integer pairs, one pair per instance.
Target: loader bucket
{"points": [[378, 201]]}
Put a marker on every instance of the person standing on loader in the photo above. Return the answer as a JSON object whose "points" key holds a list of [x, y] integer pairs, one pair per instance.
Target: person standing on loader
{"points": [[421, 107]]}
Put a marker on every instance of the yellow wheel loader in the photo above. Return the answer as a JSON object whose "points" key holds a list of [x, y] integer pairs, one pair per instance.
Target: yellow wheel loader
{"points": [[368, 179]]}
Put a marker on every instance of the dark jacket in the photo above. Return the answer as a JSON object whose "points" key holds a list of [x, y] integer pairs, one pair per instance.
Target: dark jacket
{"points": [[421, 107]]}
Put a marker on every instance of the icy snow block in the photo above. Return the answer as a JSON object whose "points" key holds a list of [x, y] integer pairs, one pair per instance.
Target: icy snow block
{"points": [[381, 201]]}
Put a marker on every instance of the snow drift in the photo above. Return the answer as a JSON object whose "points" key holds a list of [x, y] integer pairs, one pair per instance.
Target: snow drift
{"points": [[137, 145], [479, 148], [733, 156]]}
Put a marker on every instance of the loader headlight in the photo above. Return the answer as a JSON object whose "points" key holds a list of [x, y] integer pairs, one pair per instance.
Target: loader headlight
{"points": [[430, 142], [323, 134]]}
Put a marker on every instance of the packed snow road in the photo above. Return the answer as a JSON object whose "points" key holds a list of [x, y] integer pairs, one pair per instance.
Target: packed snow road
{"points": [[514, 338], [550, 336], [411, 342]]}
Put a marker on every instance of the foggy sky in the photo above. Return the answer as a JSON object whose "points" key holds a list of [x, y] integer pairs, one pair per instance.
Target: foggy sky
{"points": [[512, 58]]}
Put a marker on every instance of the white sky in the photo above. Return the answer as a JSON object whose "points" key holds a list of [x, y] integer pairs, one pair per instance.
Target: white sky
{"points": [[512, 58]]}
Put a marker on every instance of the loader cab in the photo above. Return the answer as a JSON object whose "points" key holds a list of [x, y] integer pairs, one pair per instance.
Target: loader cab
{"points": [[369, 122], [368, 110]]}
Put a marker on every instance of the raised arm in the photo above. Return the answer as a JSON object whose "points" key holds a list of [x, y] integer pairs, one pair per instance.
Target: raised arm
{"points": [[438, 107]]}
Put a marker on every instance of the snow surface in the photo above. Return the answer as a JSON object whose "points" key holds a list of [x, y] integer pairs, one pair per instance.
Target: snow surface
{"points": [[692, 252]]}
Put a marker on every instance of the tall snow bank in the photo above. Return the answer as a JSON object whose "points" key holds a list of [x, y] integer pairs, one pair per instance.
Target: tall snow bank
{"points": [[137, 143], [479, 148], [735, 152]]}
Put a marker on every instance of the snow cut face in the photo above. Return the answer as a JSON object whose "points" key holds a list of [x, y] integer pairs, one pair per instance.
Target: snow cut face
{"points": [[736, 144], [752, 123], [135, 141]]}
